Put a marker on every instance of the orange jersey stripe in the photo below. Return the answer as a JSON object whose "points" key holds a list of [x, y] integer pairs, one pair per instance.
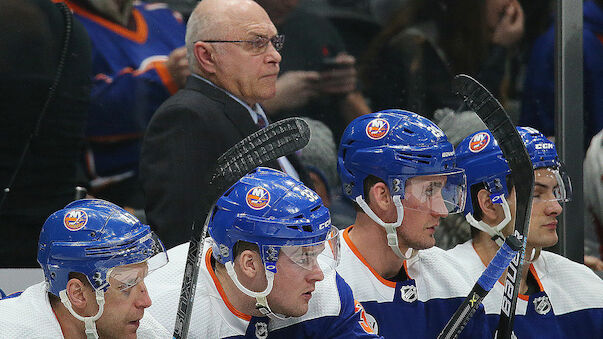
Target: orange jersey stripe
{"points": [[221, 291], [347, 239]]}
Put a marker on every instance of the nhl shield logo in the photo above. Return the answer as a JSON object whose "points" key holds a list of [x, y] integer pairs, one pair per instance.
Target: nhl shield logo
{"points": [[479, 141], [257, 198], [408, 293], [377, 128], [261, 330], [75, 220], [542, 305]]}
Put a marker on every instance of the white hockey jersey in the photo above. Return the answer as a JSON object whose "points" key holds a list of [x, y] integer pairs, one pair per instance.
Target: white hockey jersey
{"points": [[418, 307], [569, 303], [332, 311], [29, 315]]}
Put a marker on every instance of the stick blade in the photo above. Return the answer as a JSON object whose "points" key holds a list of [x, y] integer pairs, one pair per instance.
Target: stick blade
{"points": [[278, 139]]}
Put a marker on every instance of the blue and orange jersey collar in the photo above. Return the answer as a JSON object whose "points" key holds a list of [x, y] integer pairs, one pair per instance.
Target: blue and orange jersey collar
{"points": [[139, 35], [348, 241]]}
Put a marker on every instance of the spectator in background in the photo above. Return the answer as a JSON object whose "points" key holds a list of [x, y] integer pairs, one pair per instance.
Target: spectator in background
{"points": [[233, 53], [44, 90], [538, 108], [412, 62], [137, 62], [317, 77]]}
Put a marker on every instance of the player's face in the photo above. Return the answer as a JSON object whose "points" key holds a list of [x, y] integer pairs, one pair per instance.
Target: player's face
{"points": [[545, 209], [249, 72], [294, 284], [124, 308], [423, 208]]}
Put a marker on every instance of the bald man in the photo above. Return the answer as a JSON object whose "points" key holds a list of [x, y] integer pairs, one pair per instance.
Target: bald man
{"points": [[232, 48]]}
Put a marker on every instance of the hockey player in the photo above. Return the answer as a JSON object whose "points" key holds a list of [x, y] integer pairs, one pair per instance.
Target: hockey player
{"points": [[259, 273], [95, 256], [557, 298], [399, 168]]}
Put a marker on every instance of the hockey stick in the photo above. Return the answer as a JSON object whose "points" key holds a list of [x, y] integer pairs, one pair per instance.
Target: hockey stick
{"points": [[484, 284], [491, 112], [266, 145]]}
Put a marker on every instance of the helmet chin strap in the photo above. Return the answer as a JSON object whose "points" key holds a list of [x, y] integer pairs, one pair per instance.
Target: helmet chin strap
{"points": [[534, 255], [494, 231], [260, 297], [390, 228], [89, 322]]}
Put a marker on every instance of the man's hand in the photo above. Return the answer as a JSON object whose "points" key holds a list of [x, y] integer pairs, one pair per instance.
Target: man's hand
{"points": [[341, 79], [177, 65], [293, 89], [593, 263], [510, 27]]}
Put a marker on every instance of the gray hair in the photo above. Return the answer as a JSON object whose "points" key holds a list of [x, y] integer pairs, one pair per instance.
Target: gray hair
{"points": [[201, 25]]}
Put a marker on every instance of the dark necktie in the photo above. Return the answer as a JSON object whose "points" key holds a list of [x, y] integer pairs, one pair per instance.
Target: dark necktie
{"points": [[261, 122]]}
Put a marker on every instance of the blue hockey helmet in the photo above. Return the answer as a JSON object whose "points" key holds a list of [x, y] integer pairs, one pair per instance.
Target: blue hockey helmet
{"points": [[98, 239], [483, 161], [269, 208], [395, 145]]}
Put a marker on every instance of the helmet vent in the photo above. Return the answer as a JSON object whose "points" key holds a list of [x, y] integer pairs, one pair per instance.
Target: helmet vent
{"points": [[419, 158], [306, 228], [408, 131], [104, 250], [315, 208]]}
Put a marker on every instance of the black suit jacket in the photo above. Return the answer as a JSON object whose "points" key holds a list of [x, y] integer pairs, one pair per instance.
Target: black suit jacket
{"points": [[183, 141]]}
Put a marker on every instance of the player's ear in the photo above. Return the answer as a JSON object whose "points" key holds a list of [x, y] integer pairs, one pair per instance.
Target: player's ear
{"points": [[76, 292], [380, 196], [205, 55], [249, 263], [489, 213]]}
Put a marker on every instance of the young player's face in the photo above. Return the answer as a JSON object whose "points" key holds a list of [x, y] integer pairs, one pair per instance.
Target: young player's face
{"points": [[249, 72], [423, 207], [124, 308], [294, 284], [545, 209]]}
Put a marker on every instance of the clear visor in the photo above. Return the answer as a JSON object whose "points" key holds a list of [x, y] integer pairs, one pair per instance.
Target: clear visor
{"points": [[127, 276], [552, 184], [323, 254], [441, 194]]}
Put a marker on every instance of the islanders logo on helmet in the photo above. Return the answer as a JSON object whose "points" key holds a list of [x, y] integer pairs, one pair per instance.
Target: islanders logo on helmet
{"points": [[75, 219], [479, 141], [377, 128], [257, 198]]}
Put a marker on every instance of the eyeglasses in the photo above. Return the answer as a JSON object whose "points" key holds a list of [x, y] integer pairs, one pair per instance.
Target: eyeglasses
{"points": [[260, 43]]}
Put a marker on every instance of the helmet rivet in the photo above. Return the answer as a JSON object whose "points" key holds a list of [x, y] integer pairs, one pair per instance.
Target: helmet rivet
{"points": [[92, 234]]}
